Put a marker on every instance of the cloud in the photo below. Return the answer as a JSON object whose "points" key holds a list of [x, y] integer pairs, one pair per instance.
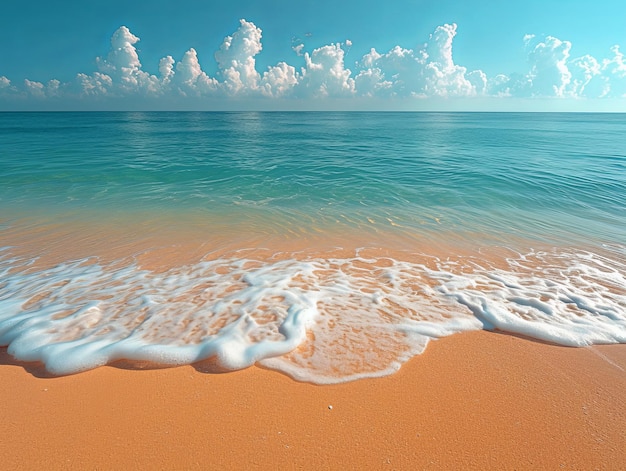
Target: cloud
{"points": [[372, 83], [553, 73], [235, 59], [399, 71], [279, 80], [425, 71], [166, 69], [614, 74], [443, 77], [325, 75], [34, 88], [94, 85], [39, 90], [298, 49], [586, 77], [7, 89], [549, 73], [189, 77], [122, 65]]}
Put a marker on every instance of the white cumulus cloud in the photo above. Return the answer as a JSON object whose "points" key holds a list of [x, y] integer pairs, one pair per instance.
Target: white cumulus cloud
{"points": [[94, 85], [235, 58], [34, 88], [166, 69], [427, 70], [549, 72], [123, 66], [279, 80], [325, 75], [372, 83], [586, 77], [38, 89], [443, 77], [189, 76]]}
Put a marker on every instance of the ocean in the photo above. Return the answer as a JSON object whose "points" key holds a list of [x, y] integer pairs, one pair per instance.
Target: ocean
{"points": [[327, 246]]}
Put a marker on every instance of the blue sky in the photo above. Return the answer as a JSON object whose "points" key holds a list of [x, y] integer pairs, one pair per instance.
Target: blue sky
{"points": [[398, 54]]}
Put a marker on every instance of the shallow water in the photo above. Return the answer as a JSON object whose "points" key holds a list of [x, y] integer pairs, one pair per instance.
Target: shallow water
{"points": [[330, 246]]}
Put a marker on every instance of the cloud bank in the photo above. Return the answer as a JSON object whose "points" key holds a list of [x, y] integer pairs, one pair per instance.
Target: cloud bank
{"points": [[427, 71]]}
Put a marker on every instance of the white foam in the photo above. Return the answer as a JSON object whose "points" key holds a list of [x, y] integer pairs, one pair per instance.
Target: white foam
{"points": [[323, 320]]}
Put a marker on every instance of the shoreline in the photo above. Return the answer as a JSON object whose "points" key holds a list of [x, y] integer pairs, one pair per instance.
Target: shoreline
{"points": [[476, 400]]}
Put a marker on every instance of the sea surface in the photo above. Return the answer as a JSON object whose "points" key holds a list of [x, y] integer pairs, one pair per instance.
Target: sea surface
{"points": [[327, 246]]}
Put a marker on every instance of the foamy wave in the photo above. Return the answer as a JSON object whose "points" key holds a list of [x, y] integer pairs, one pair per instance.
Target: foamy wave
{"points": [[318, 319]]}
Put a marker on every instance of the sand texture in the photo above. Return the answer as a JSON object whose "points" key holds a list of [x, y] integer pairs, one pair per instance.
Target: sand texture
{"points": [[477, 400]]}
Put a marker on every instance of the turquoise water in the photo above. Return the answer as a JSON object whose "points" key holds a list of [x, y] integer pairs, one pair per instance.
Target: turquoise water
{"points": [[552, 180], [535, 175]]}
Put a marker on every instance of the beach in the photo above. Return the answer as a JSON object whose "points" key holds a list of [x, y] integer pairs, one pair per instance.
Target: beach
{"points": [[476, 400], [312, 291]]}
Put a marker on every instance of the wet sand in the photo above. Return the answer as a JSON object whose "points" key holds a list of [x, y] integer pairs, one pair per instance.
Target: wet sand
{"points": [[476, 400]]}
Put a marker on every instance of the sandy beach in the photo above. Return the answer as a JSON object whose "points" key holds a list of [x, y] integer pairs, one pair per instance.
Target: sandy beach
{"points": [[305, 252], [476, 400]]}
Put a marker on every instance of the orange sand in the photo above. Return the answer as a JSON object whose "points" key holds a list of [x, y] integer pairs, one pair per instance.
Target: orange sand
{"points": [[471, 401]]}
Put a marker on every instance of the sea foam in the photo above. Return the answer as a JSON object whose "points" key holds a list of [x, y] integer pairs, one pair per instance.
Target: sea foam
{"points": [[318, 319]]}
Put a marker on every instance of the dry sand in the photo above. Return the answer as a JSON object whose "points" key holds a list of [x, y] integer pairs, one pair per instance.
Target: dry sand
{"points": [[472, 401]]}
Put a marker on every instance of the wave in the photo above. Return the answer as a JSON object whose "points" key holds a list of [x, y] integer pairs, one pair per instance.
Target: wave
{"points": [[322, 318]]}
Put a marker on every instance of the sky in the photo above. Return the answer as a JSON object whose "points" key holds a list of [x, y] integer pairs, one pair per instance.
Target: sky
{"points": [[478, 55]]}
